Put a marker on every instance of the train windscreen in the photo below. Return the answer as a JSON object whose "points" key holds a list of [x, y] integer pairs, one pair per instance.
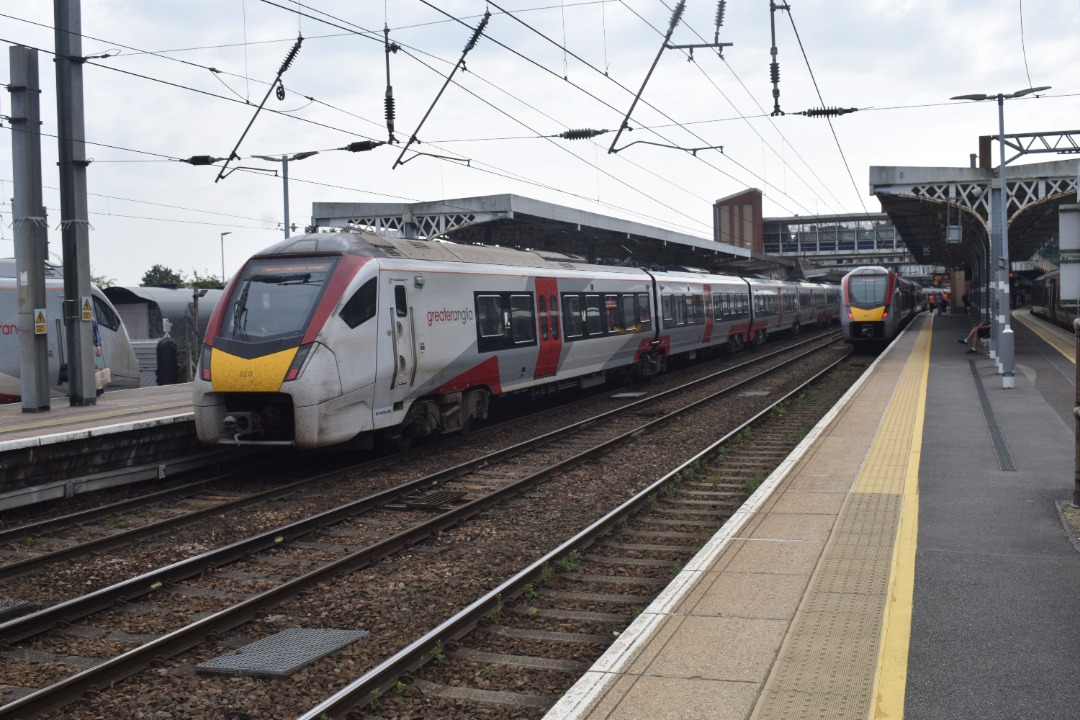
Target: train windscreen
{"points": [[275, 298], [867, 291]]}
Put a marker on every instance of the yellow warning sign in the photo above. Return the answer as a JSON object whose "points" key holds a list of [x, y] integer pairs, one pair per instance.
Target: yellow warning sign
{"points": [[40, 326], [87, 310]]}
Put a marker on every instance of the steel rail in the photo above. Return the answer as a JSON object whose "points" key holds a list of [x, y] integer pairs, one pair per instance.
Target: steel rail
{"points": [[419, 652], [64, 692]]}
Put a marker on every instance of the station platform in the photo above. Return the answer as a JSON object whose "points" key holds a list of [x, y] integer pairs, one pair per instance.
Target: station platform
{"points": [[127, 436], [909, 559], [115, 411]]}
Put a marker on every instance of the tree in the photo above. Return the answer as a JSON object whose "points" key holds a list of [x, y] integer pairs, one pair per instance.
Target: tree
{"points": [[102, 281], [161, 276], [208, 281]]}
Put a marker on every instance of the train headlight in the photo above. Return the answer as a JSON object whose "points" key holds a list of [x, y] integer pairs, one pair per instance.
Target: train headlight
{"points": [[204, 363], [297, 364]]}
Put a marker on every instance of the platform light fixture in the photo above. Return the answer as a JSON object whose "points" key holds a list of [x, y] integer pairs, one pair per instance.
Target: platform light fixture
{"points": [[1002, 327], [284, 160]]}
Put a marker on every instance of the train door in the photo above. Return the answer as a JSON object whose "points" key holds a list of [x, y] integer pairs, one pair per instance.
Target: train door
{"points": [[547, 313], [401, 334], [710, 314]]}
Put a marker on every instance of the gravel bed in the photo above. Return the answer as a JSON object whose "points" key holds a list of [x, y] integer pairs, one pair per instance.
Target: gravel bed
{"points": [[404, 596]]}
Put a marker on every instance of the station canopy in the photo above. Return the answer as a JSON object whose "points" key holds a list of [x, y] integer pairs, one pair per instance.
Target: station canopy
{"points": [[527, 224]]}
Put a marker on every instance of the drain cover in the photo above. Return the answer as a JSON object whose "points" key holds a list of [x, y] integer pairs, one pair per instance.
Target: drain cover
{"points": [[13, 608], [282, 654], [435, 499]]}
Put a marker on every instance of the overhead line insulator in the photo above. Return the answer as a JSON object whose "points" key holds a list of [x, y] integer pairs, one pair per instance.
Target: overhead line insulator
{"points": [[363, 145], [582, 134], [826, 111], [676, 15], [291, 56], [202, 160]]}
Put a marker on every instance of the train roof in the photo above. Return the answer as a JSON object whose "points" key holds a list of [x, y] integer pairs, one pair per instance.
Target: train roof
{"points": [[381, 246], [870, 270], [7, 269]]}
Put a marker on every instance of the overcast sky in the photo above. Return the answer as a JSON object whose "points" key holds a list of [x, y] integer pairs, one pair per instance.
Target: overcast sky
{"points": [[541, 67]]}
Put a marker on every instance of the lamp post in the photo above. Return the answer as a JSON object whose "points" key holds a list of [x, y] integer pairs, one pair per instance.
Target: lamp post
{"points": [[229, 232], [284, 159], [1000, 264]]}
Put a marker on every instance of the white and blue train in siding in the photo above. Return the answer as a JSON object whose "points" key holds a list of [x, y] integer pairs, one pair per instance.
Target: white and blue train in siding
{"points": [[115, 345]]}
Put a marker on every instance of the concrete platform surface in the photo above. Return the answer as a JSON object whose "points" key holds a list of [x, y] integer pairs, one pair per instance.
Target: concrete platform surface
{"points": [[907, 560], [115, 412]]}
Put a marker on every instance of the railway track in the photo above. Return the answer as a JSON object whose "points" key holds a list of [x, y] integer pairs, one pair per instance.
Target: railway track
{"points": [[386, 523]]}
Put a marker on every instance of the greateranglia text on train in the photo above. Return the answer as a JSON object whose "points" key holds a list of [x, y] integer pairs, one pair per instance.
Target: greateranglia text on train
{"points": [[329, 337]]}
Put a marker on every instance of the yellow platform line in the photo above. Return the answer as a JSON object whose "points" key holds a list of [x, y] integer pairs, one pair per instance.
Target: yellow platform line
{"points": [[1048, 333], [890, 681]]}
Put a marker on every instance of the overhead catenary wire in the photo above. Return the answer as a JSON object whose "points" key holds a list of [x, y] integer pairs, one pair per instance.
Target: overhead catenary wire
{"points": [[457, 66], [285, 64], [380, 39]]}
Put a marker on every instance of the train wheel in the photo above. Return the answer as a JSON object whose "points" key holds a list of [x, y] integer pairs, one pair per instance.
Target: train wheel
{"points": [[397, 440]]}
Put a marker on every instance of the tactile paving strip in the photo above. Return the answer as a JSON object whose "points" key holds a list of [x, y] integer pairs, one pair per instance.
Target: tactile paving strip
{"points": [[282, 654], [827, 665]]}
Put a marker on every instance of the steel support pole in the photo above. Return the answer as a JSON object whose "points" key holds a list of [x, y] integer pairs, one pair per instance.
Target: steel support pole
{"points": [[74, 219], [31, 237], [285, 185], [1076, 420], [1007, 347], [991, 268]]}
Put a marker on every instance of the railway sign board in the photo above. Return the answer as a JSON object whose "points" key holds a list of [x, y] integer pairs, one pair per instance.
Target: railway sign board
{"points": [[40, 326], [87, 309]]}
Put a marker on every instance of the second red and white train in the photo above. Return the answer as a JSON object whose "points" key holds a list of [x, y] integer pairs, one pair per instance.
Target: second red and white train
{"points": [[329, 337]]}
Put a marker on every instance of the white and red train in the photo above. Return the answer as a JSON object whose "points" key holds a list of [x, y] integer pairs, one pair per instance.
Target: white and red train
{"points": [[328, 337]]}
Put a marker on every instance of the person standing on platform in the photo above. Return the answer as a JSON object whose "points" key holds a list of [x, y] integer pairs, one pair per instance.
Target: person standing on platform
{"points": [[942, 304], [930, 303]]}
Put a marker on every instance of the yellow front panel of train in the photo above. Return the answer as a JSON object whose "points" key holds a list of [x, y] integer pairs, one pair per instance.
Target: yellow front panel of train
{"points": [[262, 374], [871, 315]]}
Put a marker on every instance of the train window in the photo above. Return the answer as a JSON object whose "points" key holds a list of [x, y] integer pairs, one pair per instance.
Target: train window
{"points": [[594, 322], [629, 313], [105, 315], [644, 313], [400, 304], [522, 319], [744, 306], [665, 309], [274, 299], [361, 306], [699, 309], [554, 317], [541, 303], [678, 310], [572, 316], [612, 315], [867, 291], [489, 316]]}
